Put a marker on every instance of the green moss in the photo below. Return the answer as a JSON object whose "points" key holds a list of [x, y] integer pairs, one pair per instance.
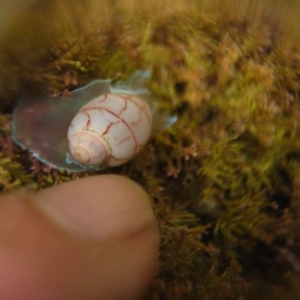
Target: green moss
{"points": [[225, 178]]}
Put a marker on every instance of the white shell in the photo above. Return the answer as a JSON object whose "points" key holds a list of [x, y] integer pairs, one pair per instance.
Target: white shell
{"points": [[99, 125], [109, 130]]}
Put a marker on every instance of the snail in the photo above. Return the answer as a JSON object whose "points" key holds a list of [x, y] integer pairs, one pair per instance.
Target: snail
{"points": [[99, 125]]}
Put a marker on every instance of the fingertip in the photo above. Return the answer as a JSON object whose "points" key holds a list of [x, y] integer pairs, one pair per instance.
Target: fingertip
{"points": [[99, 206], [117, 212]]}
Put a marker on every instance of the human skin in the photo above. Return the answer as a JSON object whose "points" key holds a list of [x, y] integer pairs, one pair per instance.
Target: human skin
{"points": [[93, 238]]}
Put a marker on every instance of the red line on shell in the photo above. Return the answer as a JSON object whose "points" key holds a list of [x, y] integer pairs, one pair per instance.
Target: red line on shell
{"points": [[88, 120], [104, 98], [141, 108], [139, 118], [109, 126], [122, 120], [125, 105], [125, 159], [124, 140]]}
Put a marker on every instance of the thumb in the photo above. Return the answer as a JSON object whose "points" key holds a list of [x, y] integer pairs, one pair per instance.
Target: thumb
{"points": [[94, 238]]}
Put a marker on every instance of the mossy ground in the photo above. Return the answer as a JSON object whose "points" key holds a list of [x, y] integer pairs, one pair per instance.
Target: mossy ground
{"points": [[225, 179]]}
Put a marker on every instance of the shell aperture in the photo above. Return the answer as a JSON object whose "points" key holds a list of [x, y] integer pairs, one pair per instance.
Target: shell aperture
{"points": [[99, 125]]}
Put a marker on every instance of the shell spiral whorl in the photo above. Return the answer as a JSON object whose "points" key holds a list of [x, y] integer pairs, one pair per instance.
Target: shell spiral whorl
{"points": [[87, 148]]}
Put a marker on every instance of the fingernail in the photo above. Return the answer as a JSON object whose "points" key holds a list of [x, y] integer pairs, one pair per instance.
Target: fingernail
{"points": [[98, 207]]}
